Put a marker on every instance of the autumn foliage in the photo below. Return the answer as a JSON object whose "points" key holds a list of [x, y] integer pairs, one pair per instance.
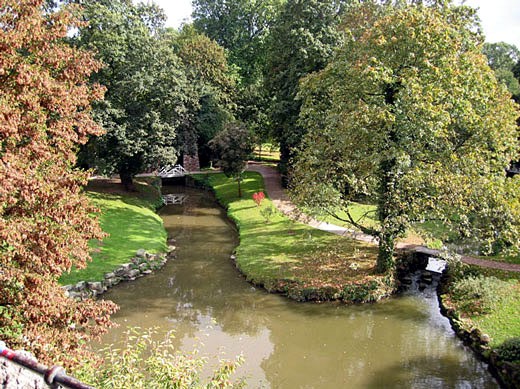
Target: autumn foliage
{"points": [[46, 222]]}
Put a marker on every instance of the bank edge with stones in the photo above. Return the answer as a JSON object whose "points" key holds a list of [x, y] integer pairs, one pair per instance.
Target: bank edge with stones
{"points": [[507, 373], [143, 263]]}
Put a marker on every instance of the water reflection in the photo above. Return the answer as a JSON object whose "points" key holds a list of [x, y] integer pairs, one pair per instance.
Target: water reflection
{"points": [[402, 342]]}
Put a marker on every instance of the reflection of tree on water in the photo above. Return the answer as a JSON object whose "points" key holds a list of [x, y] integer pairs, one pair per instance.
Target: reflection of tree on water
{"points": [[208, 288], [370, 346]]}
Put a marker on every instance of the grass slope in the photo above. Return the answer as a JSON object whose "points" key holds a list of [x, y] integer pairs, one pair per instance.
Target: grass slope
{"points": [[280, 252], [504, 322], [132, 224]]}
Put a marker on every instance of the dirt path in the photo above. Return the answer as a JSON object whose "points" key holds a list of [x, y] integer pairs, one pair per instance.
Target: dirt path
{"points": [[281, 201]]}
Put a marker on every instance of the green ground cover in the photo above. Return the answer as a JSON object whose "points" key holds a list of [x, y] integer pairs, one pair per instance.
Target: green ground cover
{"points": [[504, 321], [487, 299], [291, 257], [131, 222]]}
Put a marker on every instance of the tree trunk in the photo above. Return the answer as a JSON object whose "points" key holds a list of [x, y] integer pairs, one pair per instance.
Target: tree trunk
{"points": [[385, 257], [127, 181], [239, 188], [388, 213]]}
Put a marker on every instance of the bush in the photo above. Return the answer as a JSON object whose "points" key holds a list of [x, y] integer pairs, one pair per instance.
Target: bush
{"points": [[478, 294], [146, 363], [509, 350]]}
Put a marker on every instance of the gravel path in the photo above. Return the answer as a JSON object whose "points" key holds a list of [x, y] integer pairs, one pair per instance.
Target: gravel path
{"points": [[281, 201]]}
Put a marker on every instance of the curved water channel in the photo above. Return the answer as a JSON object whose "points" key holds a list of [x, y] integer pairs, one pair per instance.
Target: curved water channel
{"points": [[403, 342]]}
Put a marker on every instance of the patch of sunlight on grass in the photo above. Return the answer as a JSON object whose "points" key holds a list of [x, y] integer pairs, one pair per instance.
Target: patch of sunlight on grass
{"points": [[131, 223], [279, 248]]}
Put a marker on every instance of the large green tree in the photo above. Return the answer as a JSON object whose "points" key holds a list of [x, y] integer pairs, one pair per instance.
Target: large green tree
{"points": [[206, 66], [409, 115], [148, 97], [302, 41], [241, 26], [233, 146]]}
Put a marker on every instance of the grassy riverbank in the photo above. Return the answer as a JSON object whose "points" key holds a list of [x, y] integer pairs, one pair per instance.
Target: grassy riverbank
{"points": [[131, 222], [484, 308], [293, 258]]}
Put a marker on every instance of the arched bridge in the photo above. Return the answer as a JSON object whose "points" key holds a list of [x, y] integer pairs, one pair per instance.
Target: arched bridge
{"points": [[172, 171]]}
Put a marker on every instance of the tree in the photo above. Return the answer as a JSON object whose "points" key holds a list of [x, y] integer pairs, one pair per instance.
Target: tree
{"points": [[46, 220], [302, 40], [207, 70], [233, 146], [240, 26], [409, 115], [502, 58], [148, 96]]}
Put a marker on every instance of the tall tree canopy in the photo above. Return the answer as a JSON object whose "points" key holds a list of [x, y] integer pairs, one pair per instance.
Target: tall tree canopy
{"points": [[148, 96], [46, 221], [409, 114], [241, 26], [502, 58], [206, 67], [302, 41]]}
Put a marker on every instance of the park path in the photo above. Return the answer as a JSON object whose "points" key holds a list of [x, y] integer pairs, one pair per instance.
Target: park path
{"points": [[273, 187]]}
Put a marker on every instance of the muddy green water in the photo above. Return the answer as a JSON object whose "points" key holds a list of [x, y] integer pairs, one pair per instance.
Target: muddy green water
{"points": [[401, 343]]}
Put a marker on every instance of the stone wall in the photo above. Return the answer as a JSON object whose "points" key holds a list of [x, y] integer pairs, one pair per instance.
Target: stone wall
{"points": [[142, 264]]}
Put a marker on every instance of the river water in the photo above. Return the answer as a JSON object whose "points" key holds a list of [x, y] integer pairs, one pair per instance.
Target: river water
{"points": [[403, 342]]}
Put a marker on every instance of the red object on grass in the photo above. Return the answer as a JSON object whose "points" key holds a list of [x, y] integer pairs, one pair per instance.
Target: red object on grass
{"points": [[258, 197]]}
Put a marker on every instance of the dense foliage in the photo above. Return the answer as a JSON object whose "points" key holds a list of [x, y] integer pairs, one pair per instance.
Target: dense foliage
{"points": [[207, 70], [502, 58], [302, 41], [509, 350], [145, 363], [409, 115], [233, 146], [148, 97], [240, 26], [46, 221]]}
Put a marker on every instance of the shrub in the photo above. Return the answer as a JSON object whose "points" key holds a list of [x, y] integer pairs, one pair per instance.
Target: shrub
{"points": [[478, 294], [509, 350], [146, 363], [267, 213]]}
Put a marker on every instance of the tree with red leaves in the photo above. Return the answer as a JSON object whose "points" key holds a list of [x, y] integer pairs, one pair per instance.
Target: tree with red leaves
{"points": [[46, 221]]}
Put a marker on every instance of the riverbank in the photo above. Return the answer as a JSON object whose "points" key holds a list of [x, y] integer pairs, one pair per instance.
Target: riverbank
{"points": [[494, 334], [294, 259], [484, 312], [131, 223]]}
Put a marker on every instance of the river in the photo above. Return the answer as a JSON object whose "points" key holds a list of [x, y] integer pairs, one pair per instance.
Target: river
{"points": [[403, 342]]}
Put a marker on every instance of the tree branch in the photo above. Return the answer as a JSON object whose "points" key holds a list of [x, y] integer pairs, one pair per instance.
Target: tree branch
{"points": [[350, 220]]}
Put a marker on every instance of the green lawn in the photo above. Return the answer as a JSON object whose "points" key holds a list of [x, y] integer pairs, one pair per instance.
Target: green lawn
{"points": [[267, 153], [504, 322], [132, 224], [279, 251], [499, 292]]}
